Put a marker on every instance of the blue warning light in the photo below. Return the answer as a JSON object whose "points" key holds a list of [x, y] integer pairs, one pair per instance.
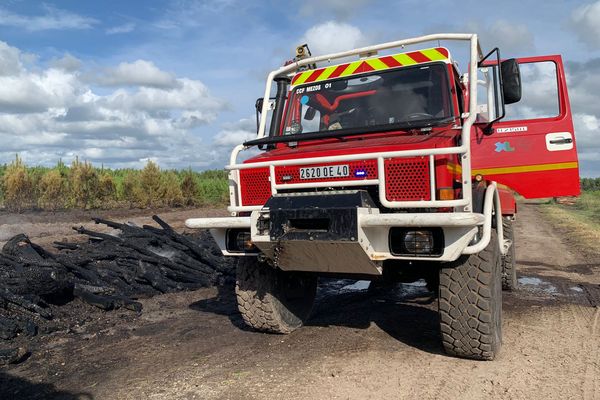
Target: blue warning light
{"points": [[360, 173]]}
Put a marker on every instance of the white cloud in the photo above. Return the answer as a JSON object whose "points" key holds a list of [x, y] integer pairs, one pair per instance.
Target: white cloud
{"points": [[26, 92], [588, 145], [584, 86], [584, 93], [341, 9], [332, 36], [236, 133], [52, 112], [186, 94], [585, 21], [137, 73], [181, 14], [10, 61], [125, 28], [67, 62], [510, 37], [52, 19]]}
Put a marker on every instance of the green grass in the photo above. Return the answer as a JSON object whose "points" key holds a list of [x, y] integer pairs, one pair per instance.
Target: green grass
{"points": [[588, 206], [581, 219]]}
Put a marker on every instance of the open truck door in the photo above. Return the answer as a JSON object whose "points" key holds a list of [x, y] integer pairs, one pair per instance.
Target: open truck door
{"points": [[532, 149]]}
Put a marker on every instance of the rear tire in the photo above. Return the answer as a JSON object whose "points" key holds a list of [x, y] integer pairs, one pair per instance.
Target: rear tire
{"points": [[509, 269], [470, 304], [271, 300]]}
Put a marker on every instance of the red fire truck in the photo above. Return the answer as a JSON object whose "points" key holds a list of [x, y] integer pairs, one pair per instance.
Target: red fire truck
{"points": [[393, 164]]}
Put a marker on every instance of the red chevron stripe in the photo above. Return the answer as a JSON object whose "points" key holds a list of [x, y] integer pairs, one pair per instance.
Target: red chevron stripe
{"points": [[338, 70], [364, 67], [390, 61], [314, 76], [418, 57], [296, 77], [443, 51]]}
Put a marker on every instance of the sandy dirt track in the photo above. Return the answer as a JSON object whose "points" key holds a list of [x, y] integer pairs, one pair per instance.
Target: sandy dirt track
{"points": [[360, 344]]}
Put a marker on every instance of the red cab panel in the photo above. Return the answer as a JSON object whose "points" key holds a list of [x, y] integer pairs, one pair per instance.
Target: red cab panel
{"points": [[532, 150]]}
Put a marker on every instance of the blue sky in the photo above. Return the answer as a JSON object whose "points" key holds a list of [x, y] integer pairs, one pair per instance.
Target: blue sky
{"points": [[119, 82]]}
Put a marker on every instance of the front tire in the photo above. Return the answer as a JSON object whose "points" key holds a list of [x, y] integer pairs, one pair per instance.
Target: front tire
{"points": [[272, 300], [470, 304]]}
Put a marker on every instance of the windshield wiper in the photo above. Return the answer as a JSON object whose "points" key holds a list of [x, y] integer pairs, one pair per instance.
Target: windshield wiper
{"points": [[403, 125]]}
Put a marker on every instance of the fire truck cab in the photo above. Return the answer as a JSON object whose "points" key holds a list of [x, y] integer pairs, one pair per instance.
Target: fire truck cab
{"points": [[395, 165]]}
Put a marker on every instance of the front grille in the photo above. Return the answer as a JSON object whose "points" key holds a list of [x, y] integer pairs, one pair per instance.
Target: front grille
{"points": [[407, 179], [255, 187]]}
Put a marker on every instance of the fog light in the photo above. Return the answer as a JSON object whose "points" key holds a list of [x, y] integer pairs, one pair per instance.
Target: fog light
{"points": [[416, 242], [243, 241], [240, 241], [419, 242]]}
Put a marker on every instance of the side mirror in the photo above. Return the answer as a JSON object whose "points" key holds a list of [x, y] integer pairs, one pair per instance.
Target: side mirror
{"points": [[258, 105], [511, 81]]}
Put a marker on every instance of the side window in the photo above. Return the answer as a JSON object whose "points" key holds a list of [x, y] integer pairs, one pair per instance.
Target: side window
{"points": [[539, 97], [488, 93]]}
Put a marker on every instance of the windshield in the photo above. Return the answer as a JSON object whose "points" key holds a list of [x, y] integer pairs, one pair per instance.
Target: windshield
{"points": [[388, 99]]}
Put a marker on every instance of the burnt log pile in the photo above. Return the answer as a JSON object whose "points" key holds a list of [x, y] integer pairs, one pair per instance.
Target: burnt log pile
{"points": [[106, 271]]}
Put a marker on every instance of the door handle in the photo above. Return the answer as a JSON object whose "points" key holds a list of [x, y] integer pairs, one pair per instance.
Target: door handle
{"points": [[561, 141]]}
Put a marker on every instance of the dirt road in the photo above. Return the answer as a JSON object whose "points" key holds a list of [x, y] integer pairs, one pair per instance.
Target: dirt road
{"points": [[360, 344]]}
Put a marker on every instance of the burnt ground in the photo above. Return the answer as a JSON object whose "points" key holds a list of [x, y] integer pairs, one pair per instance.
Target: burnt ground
{"points": [[359, 344]]}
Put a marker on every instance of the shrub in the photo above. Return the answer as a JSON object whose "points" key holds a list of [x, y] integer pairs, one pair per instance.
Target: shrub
{"points": [[214, 191], [170, 191], [131, 189], [83, 184], [107, 190], [150, 182], [52, 190], [17, 187], [189, 189]]}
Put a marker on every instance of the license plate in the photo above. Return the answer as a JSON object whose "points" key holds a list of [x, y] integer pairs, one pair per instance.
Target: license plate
{"points": [[329, 171]]}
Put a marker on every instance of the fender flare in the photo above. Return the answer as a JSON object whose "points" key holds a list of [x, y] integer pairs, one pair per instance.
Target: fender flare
{"points": [[492, 210]]}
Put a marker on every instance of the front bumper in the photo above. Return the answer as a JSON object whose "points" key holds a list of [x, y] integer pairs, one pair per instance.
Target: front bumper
{"points": [[359, 249]]}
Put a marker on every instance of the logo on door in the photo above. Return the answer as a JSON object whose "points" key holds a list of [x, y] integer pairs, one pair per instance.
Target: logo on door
{"points": [[503, 146]]}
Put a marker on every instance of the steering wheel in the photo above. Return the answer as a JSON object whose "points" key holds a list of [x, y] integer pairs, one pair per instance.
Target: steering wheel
{"points": [[418, 115]]}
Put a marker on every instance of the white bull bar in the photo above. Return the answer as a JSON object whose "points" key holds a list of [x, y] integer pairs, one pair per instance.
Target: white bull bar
{"points": [[463, 223], [461, 229], [235, 192]]}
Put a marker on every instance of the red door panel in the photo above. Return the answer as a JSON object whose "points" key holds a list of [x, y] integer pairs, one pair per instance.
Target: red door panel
{"points": [[537, 156]]}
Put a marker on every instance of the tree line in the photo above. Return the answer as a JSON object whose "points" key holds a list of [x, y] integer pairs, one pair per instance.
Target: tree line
{"points": [[83, 186], [590, 184]]}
